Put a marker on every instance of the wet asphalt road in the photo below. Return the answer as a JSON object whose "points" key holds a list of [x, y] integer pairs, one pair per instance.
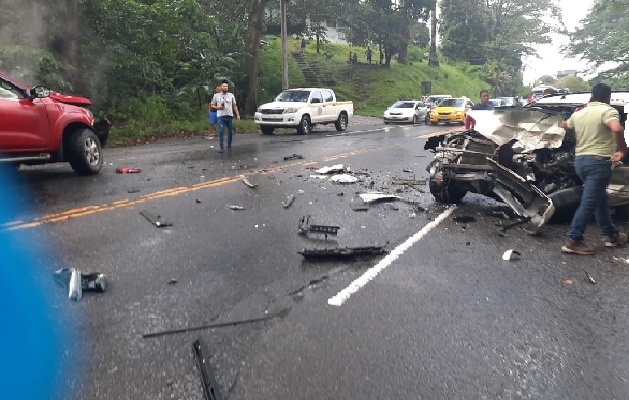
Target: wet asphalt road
{"points": [[445, 319]]}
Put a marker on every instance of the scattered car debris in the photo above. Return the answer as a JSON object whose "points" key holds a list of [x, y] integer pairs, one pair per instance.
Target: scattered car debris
{"points": [[344, 178], [358, 204], [155, 219], [289, 202], [235, 208], [372, 197], [328, 170], [342, 253], [503, 228], [172, 281], [133, 191], [407, 170], [198, 201], [465, 219], [590, 278], [208, 377], [77, 282], [409, 182], [208, 326], [567, 281], [418, 208], [305, 227], [251, 185], [128, 170], [511, 255], [294, 157]]}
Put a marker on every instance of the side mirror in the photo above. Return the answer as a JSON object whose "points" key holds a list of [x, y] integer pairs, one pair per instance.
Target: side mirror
{"points": [[39, 92], [315, 101]]}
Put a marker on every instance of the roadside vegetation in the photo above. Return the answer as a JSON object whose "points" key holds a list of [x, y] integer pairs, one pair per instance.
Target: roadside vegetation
{"points": [[150, 66]]}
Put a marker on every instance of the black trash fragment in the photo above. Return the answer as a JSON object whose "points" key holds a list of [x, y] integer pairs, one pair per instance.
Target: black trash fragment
{"points": [[407, 170], [289, 202], [198, 201], [342, 253], [305, 228], [155, 219], [464, 219], [208, 375], [418, 208], [133, 191], [294, 157], [77, 282]]}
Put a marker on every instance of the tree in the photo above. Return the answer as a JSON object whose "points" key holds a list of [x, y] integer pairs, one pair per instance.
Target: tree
{"points": [[546, 80], [254, 33], [574, 83], [432, 53], [465, 29], [602, 37]]}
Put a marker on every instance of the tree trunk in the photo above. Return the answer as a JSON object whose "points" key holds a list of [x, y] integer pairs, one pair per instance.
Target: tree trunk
{"points": [[432, 55], [318, 43], [254, 33], [65, 46], [401, 56]]}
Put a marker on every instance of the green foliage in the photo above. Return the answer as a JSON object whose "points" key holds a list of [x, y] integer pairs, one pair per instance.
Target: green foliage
{"points": [[602, 38], [574, 83]]}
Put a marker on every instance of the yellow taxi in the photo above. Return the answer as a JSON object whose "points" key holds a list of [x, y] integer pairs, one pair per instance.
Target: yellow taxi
{"points": [[450, 110]]}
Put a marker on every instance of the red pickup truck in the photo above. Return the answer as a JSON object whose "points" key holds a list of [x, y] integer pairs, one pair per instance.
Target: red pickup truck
{"points": [[39, 126]]}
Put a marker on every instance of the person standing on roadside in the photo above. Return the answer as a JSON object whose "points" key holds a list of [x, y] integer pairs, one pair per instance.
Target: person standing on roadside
{"points": [[368, 54], [212, 119], [600, 144], [303, 44], [483, 105], [224, 103]]}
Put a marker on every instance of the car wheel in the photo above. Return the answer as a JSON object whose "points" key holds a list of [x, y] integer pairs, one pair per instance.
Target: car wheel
{"points": [[427, 119], [433, 123], [84, 152], [415, 119], [304, 125], [267, 130], [446, 193], [341, 123]]}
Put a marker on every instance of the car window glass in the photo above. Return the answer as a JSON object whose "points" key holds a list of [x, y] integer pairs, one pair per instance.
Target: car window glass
{"points": [[404, 104], [300, 96], [8, 91], [328, 97], [317, 95]]}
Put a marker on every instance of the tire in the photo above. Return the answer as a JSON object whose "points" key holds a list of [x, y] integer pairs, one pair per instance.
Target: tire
{"points": [[84, 152], [427, 119], [341, 122], [304, 125], [415, 120], [450, 194], [267, 130], [433, 123]]}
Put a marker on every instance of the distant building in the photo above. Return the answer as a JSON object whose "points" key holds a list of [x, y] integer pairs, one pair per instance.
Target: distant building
{"points": [[567, 72]]}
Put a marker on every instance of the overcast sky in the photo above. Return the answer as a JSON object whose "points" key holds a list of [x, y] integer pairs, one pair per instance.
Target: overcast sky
{"points": [[550, 59]]}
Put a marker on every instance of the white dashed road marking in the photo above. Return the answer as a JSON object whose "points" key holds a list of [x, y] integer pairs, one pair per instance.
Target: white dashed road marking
{"points": [[355, 286]]}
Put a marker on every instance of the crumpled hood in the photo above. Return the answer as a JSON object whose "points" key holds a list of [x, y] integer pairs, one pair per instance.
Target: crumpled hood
{"points": [[282, 105], [74, 100], [532, 129]]}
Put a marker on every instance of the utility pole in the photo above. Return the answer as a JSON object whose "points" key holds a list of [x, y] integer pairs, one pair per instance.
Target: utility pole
{"points": [[284, 46]]}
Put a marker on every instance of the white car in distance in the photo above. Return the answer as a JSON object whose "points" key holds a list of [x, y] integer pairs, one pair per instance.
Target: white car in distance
{"points": [[406, 111]]}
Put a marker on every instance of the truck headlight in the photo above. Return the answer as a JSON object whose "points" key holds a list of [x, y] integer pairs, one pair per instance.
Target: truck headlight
{"points": [[290, 110]]}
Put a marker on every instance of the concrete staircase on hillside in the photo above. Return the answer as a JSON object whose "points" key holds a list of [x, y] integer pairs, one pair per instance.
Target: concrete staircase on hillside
{"points": [[314, 75]]}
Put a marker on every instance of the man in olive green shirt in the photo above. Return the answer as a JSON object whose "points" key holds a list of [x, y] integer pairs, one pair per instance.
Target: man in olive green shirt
{"points": [[600, 142]]}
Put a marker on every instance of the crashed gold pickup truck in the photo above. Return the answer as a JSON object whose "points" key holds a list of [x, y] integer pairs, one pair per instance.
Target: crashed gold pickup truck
{"points": [[522, 157]]}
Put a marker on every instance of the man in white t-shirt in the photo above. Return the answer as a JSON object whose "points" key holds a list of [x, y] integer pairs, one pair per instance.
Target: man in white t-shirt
{"points": [[224, 103]]}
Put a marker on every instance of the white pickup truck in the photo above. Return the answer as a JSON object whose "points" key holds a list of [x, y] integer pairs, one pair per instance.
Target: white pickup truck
{"points": [[304, 108]]}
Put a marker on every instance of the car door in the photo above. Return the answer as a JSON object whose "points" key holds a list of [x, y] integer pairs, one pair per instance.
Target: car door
{"points": [[317, 109], [329, 105], [24, 121]]}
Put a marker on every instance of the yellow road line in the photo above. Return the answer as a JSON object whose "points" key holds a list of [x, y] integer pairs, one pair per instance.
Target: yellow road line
{"points": [[90, 210]]}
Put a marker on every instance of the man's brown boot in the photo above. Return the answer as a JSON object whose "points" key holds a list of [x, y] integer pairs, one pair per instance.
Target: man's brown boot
{"points": [[577, 247], [615, 240]]}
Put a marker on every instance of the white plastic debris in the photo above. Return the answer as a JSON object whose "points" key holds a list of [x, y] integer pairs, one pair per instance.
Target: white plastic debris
{"points": [[76, 288], [344, 178], [319, 176], [377, 196], [511, 255], [333, 168]]}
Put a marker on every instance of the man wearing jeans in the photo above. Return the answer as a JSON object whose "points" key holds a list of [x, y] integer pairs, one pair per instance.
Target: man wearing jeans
{"points": [[225, 105], [600, 142]]}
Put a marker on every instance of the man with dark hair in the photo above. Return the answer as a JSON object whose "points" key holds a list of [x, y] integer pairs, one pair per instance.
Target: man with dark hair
{"points": [[483, 105], [225, 105], [600, 143]]}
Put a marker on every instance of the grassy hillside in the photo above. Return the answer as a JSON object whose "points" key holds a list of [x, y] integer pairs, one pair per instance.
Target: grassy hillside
{"points": [[373, 87]]}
